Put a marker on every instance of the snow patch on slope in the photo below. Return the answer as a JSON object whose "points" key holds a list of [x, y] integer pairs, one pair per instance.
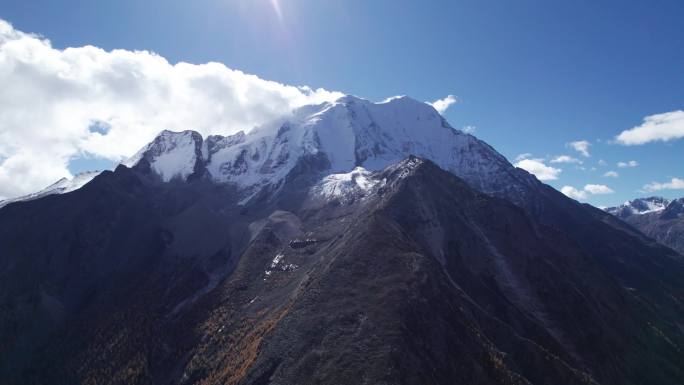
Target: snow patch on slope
{"points": [[178, 163], [171, 154], [652, 207], [346, 186]]}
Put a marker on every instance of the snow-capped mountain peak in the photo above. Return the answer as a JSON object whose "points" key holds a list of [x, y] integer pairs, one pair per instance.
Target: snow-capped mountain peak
{"points": [[338, 136], [171, 154], [675, 209], [639, 206]]}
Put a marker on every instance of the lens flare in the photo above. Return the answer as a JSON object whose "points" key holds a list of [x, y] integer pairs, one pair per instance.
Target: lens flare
{"points": [[276, 8]]}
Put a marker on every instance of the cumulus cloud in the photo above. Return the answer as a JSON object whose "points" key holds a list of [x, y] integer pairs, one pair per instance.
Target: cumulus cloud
{"points": [[673, 184], [581, 146], [589, 189], [565, 159], [598, 189], [57, 104], [611, 174], [538, 168], [574, 193], [631, 163], [660, 127], [441, 105]]}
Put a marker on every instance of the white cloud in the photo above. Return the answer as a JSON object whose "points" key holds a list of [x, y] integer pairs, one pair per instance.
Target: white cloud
{"points": [[520, 157], [673, 184], [538, 168], [631, 163], [469, 129], [589, 189], [565, 159], [50, 97], [441, 105], [611, 174], [598, 189], [573, 192], [660, 127], [581, 146], [602, 162]]}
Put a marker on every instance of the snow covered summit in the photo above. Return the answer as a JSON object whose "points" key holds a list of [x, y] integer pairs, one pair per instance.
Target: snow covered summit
{"points": [[342, 135], [639, 206], [171, 154]]}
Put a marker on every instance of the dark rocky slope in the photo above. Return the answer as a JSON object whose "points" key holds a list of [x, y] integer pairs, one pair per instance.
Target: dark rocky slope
{"points": [[423, 280]]}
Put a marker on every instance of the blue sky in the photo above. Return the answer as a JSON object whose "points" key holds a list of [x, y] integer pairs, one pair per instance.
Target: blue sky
{"points": [[531, 76]]}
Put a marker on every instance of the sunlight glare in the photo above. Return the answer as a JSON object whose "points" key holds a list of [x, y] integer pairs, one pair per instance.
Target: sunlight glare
{"points": [[276, 8]]}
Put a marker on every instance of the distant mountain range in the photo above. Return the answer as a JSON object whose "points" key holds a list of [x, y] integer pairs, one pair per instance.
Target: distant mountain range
{"points": [[659, 218], [352, 242]]}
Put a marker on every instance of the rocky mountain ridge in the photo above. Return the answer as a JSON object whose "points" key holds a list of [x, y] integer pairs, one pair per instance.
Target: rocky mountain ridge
{"points": [[659, 218], [321, 250], [348, 133]]}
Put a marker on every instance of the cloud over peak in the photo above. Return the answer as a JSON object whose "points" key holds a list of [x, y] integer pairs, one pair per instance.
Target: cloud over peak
{"points": [[441, 105], [108, 104]]}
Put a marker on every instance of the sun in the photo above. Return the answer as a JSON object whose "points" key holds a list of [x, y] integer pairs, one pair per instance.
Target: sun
{"points": [[276, 8]]}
